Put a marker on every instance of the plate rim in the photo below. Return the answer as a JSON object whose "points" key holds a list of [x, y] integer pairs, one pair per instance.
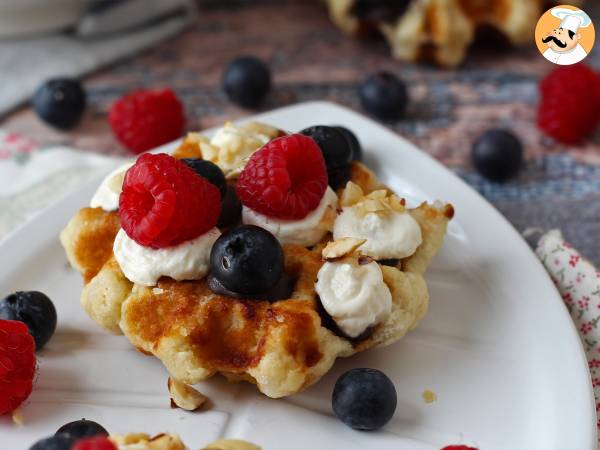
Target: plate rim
{"points": [[11, 242]]}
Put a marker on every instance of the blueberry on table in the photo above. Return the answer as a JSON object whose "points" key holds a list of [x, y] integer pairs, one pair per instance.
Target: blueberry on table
{"points": [[336, 149], [364, 399], [246, 81], [62, 441], [82, 428], [33, 308], [231, 208], [60, 102], [353, 141], [497, 155], [247, 260], [209, 171], [384, 95]]}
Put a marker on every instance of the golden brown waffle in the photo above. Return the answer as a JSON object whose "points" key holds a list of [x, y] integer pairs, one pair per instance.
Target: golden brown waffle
{"points": [[141, 441], [282, 347], [441, 30]]}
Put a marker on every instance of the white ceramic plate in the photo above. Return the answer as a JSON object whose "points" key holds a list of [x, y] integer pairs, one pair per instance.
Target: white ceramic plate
{"points": [[497, 345]]}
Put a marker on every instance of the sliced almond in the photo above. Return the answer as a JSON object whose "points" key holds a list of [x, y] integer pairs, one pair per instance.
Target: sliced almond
{"points": [[190, 147], [235, 173], [397, 204], [184, 396], [231, 444], [351, 194], [141, 441], [341, 247], [429, 396], [379, 194], [17, 417], [380, 202]]}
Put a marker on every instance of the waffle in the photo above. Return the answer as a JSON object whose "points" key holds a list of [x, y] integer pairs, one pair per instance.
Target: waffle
{"points": [[142, 441], [441, 30], [281, 347]]}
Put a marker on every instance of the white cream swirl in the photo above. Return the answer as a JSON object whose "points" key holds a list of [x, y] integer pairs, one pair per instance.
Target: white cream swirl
{"points": [[354, 295], [306, 232], [391, 235], [107, 194], [144, 265], [231, 145]]}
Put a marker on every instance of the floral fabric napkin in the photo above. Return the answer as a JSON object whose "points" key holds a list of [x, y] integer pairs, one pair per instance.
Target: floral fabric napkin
{"points": [[578, 282], [34, 177]]}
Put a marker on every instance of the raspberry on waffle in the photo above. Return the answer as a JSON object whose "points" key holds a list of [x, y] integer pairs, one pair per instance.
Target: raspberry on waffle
{"points": [[164, 202], [285, 179]]}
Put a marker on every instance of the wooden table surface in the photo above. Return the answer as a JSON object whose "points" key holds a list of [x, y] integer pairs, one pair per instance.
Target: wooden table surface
{"points": [[310, 59]]}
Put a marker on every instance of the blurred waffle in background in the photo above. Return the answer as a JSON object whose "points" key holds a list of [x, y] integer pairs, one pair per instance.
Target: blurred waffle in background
{"points": [[439, 31]]}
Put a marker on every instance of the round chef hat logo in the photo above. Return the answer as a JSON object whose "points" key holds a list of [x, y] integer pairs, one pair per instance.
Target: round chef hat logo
{"points": [[565, 35]]}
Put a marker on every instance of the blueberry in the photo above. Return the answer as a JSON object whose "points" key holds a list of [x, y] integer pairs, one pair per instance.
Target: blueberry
{"points": [[208, 170], [282, 290], [231, 209], [60, 102], [364, 399], [58, 442], [497, 154], [339, 177], [246, 81], [83, 428], [247, 260], [33, 308], [336, 149], [384, 96], [355, 146]]}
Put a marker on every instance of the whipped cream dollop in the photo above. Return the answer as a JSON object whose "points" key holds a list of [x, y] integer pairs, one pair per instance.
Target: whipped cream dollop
{"points": [[144, 265], [354, 295], [107, 194], [307, 231], [390, 235], [231, 145]]}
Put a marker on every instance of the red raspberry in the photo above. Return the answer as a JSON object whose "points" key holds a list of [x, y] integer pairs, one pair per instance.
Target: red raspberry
{"points": [[164, 202], [17, 364], [145, 119], [95, 443], [458, 447], [285, 179], [569, 109]]}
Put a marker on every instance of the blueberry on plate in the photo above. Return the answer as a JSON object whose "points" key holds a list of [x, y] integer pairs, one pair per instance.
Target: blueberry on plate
{"points": [[497, 155], [336, 149], [82, 428], [62, 441], [33, 308], [364, 399], [231, 208], [247, 260], [355, 146], [246, 81], [60, 102], [208, 170], [384, 95]]}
